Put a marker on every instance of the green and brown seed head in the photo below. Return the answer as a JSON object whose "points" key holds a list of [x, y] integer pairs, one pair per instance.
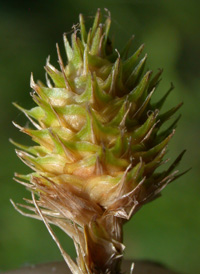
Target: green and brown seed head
{"points": [[98, 144]]}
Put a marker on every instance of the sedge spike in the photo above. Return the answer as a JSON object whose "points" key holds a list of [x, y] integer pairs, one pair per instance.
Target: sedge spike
{"points": [[97, 146]]}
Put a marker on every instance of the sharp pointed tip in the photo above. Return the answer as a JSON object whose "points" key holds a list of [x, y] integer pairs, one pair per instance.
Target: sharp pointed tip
{"points": [[47, 60], [17, 106], [118, 59], [172, 85], [141, 49], [161, 70], [173, 132], [16, 125], [182, 153], [148, 74], [108, 12], [81, 18], [19, 153], [58, 50], [32, 82], [64, 37], [14, 104], [15, 174], [11, 141], [12, 202]]}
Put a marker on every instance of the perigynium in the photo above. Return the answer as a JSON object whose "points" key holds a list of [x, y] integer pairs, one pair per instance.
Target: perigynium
{"points": [[98, 145]]}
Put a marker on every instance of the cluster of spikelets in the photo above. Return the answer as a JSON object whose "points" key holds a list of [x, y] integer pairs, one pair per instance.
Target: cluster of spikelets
{"points": [[98, 146]]}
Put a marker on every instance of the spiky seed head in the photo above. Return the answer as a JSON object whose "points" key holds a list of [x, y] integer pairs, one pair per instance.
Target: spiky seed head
{"points": [[98, 145]]}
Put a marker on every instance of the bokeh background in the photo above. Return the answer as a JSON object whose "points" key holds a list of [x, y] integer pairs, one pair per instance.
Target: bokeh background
{"points": [[165, 231]]}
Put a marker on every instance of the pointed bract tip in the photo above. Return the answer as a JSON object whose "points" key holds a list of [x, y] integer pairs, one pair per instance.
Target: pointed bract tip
{"points": [[108, 12], [11, 141], [17, 126], [81, 18], [32, 82], [117, 53], [48, 60]]}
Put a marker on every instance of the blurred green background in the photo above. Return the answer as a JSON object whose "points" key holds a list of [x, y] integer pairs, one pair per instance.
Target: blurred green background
{"points": [[167, 230]]}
